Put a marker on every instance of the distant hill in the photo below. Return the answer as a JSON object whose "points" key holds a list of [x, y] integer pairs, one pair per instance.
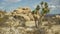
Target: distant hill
{"points": [[51, 15]]}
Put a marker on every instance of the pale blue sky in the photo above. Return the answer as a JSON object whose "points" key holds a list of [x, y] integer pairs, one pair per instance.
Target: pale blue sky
{"points": [[10, 5]]}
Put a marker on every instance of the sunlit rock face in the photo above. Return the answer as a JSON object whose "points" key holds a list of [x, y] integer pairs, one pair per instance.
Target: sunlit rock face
{"points": [[30, 23], [20, 21], [20, 10], [1, 14], [23, 12]]}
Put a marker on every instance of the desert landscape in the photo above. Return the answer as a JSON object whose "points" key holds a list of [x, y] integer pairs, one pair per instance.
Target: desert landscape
{"points": [[23, 20]]}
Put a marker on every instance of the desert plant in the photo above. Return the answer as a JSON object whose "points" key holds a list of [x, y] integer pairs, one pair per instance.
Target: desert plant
{"points": [[44, 10]]}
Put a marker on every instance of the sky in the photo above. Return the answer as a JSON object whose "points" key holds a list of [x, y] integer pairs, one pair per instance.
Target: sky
{"points": [[10, 5]]}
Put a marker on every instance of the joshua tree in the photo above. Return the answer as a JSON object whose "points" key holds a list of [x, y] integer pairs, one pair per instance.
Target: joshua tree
{"points": [[44, 10], [36, 12]]}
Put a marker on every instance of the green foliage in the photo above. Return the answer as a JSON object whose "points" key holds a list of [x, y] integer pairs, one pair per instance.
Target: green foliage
{"points": [[45, 8], [42, 3], [45, 11], [38, 7], [33, 12], [36, 10]]}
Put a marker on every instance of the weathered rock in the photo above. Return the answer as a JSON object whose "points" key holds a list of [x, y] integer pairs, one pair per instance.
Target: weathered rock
{"points": [[30, 23]]}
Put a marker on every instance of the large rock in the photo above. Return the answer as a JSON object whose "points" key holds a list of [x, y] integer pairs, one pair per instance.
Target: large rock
{"points": [[22, 10], [30, 15], [55, 29]]}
